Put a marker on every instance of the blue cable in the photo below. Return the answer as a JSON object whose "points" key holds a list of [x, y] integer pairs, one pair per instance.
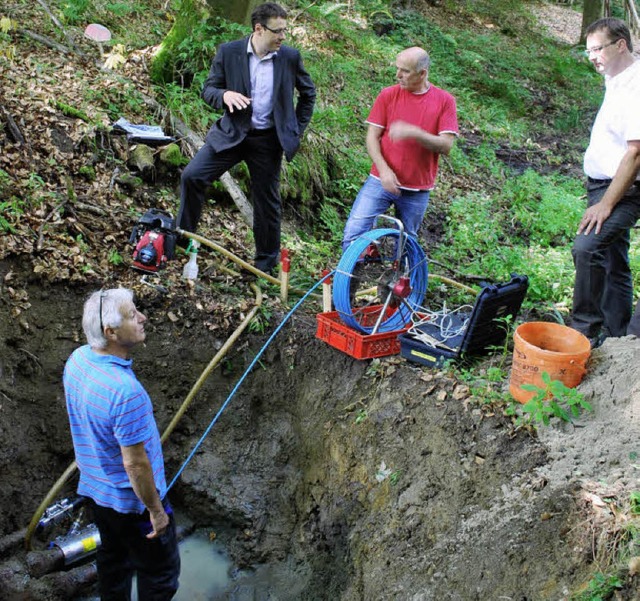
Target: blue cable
{"points": [[418, 277], [244, 375]]}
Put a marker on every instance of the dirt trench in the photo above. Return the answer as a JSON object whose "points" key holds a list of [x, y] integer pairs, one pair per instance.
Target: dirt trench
{"points": [[366, 483]]}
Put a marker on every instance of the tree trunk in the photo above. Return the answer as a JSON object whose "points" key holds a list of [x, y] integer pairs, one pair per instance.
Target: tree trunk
{"points": [[238, 11], [592, 11]]}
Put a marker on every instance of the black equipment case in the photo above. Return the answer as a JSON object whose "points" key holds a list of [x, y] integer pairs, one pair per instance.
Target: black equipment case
{"points": [[494, 302]]}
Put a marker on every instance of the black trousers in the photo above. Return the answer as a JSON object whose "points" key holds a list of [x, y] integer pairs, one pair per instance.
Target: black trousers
{"points": [[262, 153], [603, 291], [125, 550]]}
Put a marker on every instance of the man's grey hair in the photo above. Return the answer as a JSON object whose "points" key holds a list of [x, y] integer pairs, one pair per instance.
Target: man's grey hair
{"points": [[423, 62], [102, 310]]}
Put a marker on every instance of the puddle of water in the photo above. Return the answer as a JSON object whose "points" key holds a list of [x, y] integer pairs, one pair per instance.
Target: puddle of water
{"points": [[207, 573], [205, 568], [204, 571]]}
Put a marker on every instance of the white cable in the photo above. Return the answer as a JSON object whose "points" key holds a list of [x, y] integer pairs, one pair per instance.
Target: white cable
{"points": [[443, 320]]}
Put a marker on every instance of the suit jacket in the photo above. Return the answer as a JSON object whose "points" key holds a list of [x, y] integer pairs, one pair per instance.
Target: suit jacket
{"points": [[230, 71]]}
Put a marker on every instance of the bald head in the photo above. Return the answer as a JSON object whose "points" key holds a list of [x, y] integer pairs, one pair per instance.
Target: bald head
{"points": [[412, 69], [417, 57]]}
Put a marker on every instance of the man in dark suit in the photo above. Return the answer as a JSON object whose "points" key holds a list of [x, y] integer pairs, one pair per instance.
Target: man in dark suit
{"points": [[253, 79]]}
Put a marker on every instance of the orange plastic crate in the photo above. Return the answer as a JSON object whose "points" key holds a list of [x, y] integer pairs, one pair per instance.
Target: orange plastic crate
{"points": [[334, 332]]}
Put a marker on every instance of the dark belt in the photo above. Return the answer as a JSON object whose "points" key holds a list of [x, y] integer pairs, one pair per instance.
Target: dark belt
{"points": [[592, 180], [262, 132]]}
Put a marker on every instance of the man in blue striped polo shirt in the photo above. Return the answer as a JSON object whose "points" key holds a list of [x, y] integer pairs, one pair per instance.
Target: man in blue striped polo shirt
{"points": [[119, 454]]}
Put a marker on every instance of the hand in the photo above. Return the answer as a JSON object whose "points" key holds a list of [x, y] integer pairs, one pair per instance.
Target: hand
{"points": [[400, 130], [594, 216], [159, 522], [390, 182], [235, 100]]}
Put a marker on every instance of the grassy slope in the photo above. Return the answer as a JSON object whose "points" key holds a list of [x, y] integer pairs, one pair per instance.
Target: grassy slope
{"points": [[509, 193]]}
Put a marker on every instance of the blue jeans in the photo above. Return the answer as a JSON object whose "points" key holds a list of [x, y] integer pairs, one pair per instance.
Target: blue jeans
{"points": [[603, 291], [374, 200]]}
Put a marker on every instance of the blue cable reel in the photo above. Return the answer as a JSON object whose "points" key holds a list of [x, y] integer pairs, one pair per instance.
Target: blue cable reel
{"points": [[380, 281]]}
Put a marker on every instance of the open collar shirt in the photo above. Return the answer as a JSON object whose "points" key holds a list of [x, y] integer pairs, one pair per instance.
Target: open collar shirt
{"points": [[261, 75], [617, 122]]}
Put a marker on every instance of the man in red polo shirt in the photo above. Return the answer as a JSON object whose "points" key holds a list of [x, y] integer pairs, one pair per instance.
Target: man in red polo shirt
{"points": [[410, 125]]}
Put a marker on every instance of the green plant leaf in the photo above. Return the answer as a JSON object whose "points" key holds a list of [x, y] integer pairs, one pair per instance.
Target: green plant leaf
{"points": [[530, 387]]}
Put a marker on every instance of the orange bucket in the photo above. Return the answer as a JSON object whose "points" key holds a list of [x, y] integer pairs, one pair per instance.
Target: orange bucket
{"points": [[541, 346]]}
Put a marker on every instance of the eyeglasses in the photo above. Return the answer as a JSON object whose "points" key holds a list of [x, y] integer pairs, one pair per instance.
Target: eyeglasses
{"points": [[102, 295], [598, 49], [279, 31]]}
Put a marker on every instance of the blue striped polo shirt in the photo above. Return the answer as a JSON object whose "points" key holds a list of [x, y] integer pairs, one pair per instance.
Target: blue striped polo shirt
{"points": [[109, 408]]}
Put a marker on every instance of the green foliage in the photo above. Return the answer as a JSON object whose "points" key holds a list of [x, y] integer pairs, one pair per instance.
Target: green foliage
{"points": [[546, 209], [120, 18], [507, 325], [187, 104], [486, 385], [330, 217], [601, 587], [361, 416], [73, 112], [554, 399], [191, 43], [394, 477], [524, 227], [114, 257], [74, 11], [82, 243], [88, 172], [10, 212], [7, 47], [118, 100], [260, 322]]}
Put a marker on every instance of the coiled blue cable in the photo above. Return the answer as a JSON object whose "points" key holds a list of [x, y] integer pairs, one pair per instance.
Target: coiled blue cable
{"points": [[413, 255]]}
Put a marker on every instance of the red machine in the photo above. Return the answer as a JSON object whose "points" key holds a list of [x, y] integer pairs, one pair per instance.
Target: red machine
{"points": [[154, 238]]}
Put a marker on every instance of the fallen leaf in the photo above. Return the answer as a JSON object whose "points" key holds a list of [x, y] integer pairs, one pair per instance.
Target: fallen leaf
{"points": [[594, 499], [460, 392]]}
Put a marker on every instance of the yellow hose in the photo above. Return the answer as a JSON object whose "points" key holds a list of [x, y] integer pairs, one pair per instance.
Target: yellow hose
{"points": [[237, 259], [229, 255], [55, 489], [451, 282], [213, 363]]}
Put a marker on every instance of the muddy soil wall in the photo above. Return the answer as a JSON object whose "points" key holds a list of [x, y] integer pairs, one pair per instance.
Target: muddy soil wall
{"points": [[366, 483]]}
